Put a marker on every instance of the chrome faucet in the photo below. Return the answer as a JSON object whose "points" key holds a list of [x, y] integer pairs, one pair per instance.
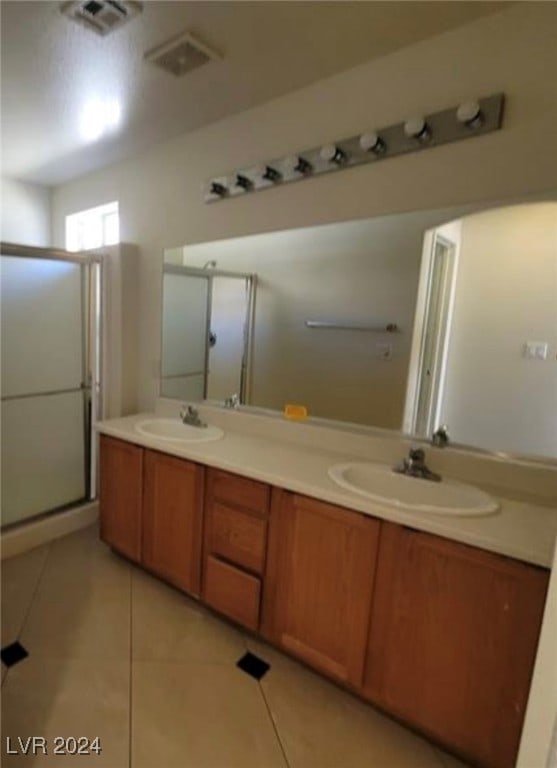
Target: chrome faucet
{"points": [[232, 402], [414, 466], [191, 416], [440, 437]]}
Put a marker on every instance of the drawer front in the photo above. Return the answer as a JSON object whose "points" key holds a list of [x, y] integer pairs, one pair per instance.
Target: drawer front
{"points": [[237, 536], [232, 592], [239, 491]]}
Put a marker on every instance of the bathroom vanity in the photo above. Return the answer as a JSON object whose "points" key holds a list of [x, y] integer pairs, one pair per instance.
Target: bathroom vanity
{"points": [[432, 618]]}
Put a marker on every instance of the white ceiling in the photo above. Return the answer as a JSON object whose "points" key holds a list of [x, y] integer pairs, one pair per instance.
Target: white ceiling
{"points": [[53, 68]]}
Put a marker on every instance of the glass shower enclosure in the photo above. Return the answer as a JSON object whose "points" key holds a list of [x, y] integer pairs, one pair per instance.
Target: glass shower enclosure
{"points": [[50, 379]]}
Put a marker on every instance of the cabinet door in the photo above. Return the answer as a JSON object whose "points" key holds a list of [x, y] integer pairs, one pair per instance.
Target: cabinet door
{"points": [[120, 498], [319, 582], [452, 641], [172, 519]]}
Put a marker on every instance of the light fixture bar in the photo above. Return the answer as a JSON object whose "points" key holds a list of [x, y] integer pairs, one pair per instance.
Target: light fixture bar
{"points": [[472, 118]]}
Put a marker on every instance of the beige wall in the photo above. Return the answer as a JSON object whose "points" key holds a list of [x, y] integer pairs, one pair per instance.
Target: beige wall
{"points": [[26, 213], [120, 330], [506, 295], [160, 192]]}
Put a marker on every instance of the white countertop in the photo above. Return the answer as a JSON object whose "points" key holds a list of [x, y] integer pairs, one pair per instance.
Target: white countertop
{"points": [[519, 529]]}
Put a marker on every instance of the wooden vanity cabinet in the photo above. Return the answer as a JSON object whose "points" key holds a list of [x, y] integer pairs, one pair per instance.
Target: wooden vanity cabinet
{"points": [[235, 544], [452, 641], [440, 634], [121, 496], [319, 583], [173, 519]]}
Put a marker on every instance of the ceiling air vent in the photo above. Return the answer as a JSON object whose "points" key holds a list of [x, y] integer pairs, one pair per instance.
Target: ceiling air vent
{"points": [[181, 54], [102, 16]]}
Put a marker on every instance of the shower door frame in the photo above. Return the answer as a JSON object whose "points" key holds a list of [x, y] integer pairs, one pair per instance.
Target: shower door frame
{"points": [[92, 307]]}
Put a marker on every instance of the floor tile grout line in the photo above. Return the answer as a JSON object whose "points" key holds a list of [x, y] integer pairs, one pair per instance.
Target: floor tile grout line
{"points": [[35, 591], [273, 723], [438, 755], [31, 601]]}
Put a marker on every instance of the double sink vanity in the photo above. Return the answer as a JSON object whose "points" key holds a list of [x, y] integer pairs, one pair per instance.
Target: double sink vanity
{"points": [[424, 598]]}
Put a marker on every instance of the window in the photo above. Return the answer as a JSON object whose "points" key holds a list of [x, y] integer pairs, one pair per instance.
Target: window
{"points": [[93, 228]]}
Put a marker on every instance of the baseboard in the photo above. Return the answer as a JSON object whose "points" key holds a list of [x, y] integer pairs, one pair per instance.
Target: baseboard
{"points": [[39, 532]]}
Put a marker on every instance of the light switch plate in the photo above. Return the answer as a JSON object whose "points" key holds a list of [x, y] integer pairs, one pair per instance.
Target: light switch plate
{"points": [[384, 350]]}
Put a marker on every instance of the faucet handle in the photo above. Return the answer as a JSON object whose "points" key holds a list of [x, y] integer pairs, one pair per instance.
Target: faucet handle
{"points": [[188, 411], [440, 437], [416, 455]]}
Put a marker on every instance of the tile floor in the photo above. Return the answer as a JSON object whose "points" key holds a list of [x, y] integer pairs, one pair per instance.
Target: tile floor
{"points": [[117, 654]]}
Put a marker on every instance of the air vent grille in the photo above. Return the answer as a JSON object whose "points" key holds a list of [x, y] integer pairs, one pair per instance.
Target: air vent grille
{"points": [[101, 16], [181, 54]]}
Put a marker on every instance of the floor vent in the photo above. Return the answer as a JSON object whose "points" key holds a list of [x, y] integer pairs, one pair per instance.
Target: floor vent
{"points": [[101, 16], [253, 666], [181, 54], [13, 653]]}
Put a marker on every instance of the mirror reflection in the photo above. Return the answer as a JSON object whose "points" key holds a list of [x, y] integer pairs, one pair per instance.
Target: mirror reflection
{"points": [[412, 321], [206, 325]]}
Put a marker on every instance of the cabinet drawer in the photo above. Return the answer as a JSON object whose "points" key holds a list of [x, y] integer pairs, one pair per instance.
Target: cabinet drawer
{"points": [[232, 592], [239, 491], [237, 536]]}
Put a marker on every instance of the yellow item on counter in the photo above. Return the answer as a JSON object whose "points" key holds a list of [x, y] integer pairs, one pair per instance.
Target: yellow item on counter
{"points": [[295, 411]]}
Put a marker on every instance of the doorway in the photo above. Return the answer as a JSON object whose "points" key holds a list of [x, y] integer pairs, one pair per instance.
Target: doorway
{"points": [[436, 292]]}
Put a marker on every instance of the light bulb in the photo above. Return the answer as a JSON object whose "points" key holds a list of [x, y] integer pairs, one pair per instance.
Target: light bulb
{"points": [[332, 154], [297, 164], [372, 142], [417, 128], [470, 114], [270, 174], [243, 182]]}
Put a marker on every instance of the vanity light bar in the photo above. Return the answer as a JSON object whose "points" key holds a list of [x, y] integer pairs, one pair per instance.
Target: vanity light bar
{"points": [[471, 118]]}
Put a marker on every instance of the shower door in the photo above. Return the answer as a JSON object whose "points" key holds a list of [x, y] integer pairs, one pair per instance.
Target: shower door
{"points": [[231, 298], [185, 316], [207, 319], [45, 382]]}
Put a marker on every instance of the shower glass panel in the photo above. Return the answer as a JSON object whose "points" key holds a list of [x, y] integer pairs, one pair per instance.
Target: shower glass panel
{"points": [[44, 395], [184, 336], [229, 316]]}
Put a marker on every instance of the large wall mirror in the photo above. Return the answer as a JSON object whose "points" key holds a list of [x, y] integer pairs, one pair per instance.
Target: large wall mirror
{"points": [[405, 322]]}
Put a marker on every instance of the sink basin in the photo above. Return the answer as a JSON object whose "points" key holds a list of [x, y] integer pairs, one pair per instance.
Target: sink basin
{"points": [[173, 431], [379, 483]]}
